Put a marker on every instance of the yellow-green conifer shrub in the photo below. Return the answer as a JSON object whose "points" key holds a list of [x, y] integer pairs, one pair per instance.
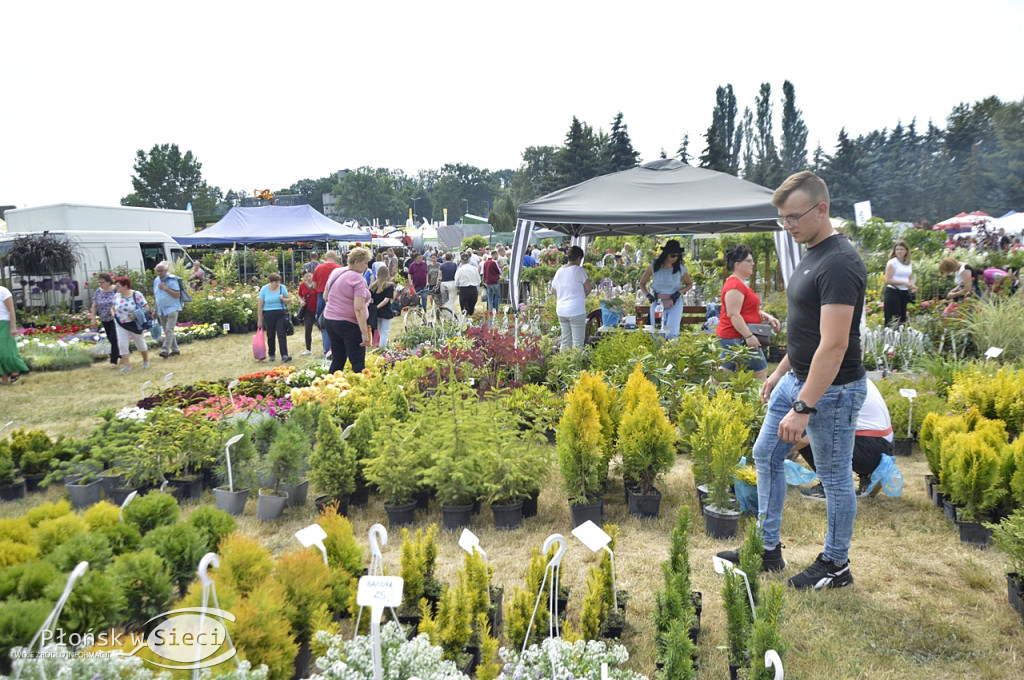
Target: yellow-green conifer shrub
{"points": [[50, 533], [580, 450], [102, 514], [646, 436], [244, 563], [520, 605], [933, 430], [419, 557], [45, 511], [262, 630], [490, 665], [595, 611], [306, 582], [972, 478], [344, 556], [323, 619], [607, 403]]}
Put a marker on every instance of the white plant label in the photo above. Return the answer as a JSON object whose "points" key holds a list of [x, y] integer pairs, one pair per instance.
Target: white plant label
{"points": [[993, 352], [908, 393], [379, 591], [227, 327], [591, 536], [468, 541]]}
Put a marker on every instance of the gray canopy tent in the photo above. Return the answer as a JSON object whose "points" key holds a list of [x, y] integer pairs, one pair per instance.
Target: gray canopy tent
{"points": [[661, 197]]}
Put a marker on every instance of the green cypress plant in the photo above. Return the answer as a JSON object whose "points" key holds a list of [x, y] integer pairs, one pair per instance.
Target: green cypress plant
{"points": [[766, 633], [737, 614], [751, 558], [332, 465], [579, 444]]}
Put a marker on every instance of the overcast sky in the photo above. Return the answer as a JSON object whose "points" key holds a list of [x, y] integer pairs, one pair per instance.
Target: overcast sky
{"points": [[265, 94]]}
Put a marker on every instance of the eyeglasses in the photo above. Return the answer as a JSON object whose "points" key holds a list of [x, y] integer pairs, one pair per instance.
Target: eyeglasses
{"points": [[749, 260], [792, 220]]}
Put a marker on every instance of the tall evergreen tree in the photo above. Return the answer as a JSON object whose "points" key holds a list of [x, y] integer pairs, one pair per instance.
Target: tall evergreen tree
{"points": [[767, 166], [794, 133], [844, 175], [723, 142], [683, 153], [747, 128], [819, 159], [619, 154], [578, 159]]}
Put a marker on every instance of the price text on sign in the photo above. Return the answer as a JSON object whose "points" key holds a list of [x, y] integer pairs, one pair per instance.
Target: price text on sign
{"points": [[908, 393], [379, 591]]}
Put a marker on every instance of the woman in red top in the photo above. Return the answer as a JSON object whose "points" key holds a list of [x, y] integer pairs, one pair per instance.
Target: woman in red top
{"points": [[307, 293], [742, 306]]}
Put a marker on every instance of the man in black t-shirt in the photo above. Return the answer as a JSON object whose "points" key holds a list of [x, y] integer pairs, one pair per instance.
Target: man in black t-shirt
{"points": [[819, 386]]}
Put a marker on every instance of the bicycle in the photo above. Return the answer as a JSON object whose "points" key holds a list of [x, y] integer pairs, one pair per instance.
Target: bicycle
{"points": [[439, 314]]}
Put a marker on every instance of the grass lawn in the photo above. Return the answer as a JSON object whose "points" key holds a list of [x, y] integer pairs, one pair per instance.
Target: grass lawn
{"points": [[922, 606]]}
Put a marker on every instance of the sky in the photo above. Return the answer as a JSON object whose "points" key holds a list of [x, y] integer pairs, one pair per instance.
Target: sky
{"points": [[265, 94]]}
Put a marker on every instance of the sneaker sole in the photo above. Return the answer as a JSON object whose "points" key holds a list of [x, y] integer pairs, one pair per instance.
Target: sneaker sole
{"points": [[820, 499]]}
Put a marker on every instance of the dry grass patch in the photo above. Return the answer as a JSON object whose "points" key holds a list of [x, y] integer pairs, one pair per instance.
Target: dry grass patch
{"points": [[922, 606]]}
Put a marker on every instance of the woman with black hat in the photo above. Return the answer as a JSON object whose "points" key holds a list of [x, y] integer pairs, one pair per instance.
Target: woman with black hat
{"points": [[669, 281]]}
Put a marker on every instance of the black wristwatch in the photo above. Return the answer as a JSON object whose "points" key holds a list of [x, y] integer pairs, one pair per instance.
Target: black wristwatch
{"points": [[800, 406]]}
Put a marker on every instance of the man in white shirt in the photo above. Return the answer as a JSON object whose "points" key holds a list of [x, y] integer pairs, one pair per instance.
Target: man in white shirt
{"points": [[467, 282], [872, 438]]}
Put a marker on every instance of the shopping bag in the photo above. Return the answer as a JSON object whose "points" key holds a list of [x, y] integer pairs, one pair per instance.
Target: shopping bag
{"points": [[259, 345], [889, 476], [797, 474], [154, 331]]}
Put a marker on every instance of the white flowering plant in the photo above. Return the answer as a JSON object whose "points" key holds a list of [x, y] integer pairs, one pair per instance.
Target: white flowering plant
{"points": [[65, 663], [554, 659], [400, 658]]}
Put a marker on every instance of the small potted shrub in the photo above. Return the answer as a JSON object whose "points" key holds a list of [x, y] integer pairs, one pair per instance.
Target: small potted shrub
{"points": [[283, 463], [646, 442], [581, 457], [332, 465], [1008, 536], [728, 435], [396, 469], [234, 489], [973, 481], [513, 466], [12, 488]]}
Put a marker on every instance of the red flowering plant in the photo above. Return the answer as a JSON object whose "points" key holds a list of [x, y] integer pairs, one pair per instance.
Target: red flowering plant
{"points": [[488, 356], [218, 407]]}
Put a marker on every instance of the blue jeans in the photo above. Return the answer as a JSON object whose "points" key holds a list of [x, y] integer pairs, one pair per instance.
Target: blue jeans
{"points": [[831, 433], [754, 363], [493, 295], [424, 294], [671, 319], [384, 328], [324, 338]]}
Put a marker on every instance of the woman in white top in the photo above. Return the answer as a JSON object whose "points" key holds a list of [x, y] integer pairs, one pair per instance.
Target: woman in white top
{"points": [[571, 287], [899, 284]]}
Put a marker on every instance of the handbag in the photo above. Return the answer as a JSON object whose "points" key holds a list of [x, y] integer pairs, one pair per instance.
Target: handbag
{"points": [[289, 328], [301, 314], [761, 331]]}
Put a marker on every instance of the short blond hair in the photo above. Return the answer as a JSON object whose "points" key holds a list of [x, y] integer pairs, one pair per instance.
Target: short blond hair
{"points": [[948, 265], [805, 181], [359, 254]]}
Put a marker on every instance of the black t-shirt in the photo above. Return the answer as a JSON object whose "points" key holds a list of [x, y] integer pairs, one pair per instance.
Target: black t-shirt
{"points": [[448, 271], [830, 273], [384, 312]]}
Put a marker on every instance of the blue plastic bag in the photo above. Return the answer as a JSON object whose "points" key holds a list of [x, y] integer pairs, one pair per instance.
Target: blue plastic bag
{"points": [[797, 474], [609, 317], [889, 476], [746, 494]]}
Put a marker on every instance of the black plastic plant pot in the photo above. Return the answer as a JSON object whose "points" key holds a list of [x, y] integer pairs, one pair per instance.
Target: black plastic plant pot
{"points": [[1015, 592], [84, 495], [271, 506], [643, 505], [530, 505], [455, 517], [191, 486], [719, 523], [975, 534], [508, 517], [589, 511], [296, 493], [13, 492], [340, 504], [401, 515]]}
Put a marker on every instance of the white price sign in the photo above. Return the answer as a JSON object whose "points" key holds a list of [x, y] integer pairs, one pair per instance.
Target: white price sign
{"points": [[908, 393], [993, 352], [379, 591], [227, 328]]}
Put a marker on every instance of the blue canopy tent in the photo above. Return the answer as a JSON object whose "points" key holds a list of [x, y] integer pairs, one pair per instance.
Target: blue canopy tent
{"points": [[273, 223]]}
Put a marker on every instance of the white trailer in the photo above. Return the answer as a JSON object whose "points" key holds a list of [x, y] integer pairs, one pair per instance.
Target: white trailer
{"points": [[98, 251], [76, 217]]}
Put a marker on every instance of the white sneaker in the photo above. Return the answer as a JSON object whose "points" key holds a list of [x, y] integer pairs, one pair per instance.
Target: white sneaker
{"points": [[145, 365], [305, 353], [124, 369]]}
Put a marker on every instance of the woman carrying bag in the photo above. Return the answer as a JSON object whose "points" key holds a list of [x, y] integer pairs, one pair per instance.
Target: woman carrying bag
{"points": [[669, 282], [741, 307], [272, 313], [307, 312], [131, 314]]}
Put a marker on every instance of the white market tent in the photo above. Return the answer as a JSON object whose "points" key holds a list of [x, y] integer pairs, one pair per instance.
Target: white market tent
{"points": [[1012, 222], [662, 197]]}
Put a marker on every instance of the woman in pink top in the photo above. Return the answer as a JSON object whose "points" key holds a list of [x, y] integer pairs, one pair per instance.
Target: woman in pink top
{"points": [[345, 314]]}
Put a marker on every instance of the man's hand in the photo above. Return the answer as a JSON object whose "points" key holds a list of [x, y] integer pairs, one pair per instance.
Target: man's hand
{"points": [[767, 386], [793, 426]]}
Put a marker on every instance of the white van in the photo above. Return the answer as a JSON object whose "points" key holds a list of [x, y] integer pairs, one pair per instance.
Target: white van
{"points": [[98, 251]]}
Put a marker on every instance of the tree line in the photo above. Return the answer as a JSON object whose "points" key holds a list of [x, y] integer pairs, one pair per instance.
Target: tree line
{"points": [[974, 162]]}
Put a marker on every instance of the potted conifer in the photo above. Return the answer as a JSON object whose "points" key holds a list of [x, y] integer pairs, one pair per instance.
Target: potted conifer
{"points": [[235, 488], [580, 457], [283, 463], [396, 469], [332, 465], [12, 487], [646, 443], [727, 434]]}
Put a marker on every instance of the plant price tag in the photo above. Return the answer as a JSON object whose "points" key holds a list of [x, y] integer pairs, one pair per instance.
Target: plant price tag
{"points": [[908, 393], [227, 327], [379, 591], [993, 352], [592, 536]]}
